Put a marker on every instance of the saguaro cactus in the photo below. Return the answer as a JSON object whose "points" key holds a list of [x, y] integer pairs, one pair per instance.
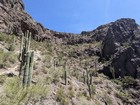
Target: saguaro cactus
{"points": [[31, 67], [89, 80], [65, 74], [26, 58], [84, 77]]}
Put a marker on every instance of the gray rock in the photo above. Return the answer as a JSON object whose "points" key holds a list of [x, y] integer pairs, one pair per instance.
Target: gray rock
{"points": [[121, 48]]}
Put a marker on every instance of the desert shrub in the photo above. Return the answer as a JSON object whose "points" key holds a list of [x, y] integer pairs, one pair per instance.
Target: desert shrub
{"points": [[15, 94], [7, 58], [107, 99], [34, 44], [2, 79], [56, 74], [112, 70], [61, 97], [128, 81], [123, 96], [71, 91], [4, 37]]}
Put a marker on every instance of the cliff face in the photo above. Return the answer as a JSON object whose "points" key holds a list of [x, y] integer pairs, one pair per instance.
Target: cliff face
{"points": [[120, 39], [121, 47], [13, 16]]}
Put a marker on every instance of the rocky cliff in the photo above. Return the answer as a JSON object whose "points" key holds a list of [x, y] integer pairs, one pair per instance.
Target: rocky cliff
{"points": [[13, 16], [121, 46]]}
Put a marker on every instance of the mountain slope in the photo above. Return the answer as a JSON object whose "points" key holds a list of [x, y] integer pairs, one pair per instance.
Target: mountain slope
{"points": [[108, 55]]}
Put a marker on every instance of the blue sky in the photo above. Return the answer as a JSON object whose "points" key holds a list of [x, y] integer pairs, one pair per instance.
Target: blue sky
{"points": [[80, 15]]}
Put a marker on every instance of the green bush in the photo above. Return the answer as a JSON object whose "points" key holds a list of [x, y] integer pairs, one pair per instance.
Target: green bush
{"points": [[6, 38], [7, 58], [107, 99], [15, 94], [61, 97], [2, 79], [71, 91], [128, 81], [124, 97]]}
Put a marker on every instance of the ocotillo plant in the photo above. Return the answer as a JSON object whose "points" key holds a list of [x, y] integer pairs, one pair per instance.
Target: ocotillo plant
{"points": [[26, 58]]}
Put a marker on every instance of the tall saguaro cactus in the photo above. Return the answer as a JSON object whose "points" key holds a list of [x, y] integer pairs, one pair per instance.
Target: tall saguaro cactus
{"points": [[65, 74], [26, 57], [88, 79]]}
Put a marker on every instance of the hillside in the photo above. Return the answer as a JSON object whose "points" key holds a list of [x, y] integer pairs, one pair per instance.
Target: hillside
{"points": [[99, 67]]}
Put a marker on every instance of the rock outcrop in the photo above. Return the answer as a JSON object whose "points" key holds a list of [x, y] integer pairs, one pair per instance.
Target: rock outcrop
{"points": [[121, 48], [14, 17]]}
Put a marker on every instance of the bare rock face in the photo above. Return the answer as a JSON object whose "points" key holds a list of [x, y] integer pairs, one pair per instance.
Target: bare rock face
{"points": [[121, 48], [121, 31], [13, 16], [98, 34]]}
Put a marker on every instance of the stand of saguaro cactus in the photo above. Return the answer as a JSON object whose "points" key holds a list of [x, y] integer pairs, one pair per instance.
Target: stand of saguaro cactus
{"points": [[26, 58]]}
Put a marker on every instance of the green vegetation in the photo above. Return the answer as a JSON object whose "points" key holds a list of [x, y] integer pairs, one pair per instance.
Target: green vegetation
{"points": [[60, 76], [14, 94], [107, 99], [123, 96], [61, 97], [7, 58], [2, 79], [65, 73], [9, 40], [128, 81], [26, 57], [112, 70]]}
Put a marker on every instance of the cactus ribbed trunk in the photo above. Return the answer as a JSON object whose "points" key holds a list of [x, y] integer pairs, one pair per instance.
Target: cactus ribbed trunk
{"points": [[25, 77], [21, 56], [26, 58], [30, 68], [89, 83], [84, 79], [65, 76]]}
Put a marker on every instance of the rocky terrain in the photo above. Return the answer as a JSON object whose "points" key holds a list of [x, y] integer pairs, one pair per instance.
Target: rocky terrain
{"points": [[108, 57]]}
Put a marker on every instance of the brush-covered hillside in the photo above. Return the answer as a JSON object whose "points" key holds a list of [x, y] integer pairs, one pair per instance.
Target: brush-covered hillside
{"points": [[39, 66]]}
